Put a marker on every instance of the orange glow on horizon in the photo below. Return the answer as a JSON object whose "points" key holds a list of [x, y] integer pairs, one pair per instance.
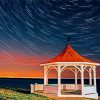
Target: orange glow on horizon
{"points": [[20, 65], [25, 66]]}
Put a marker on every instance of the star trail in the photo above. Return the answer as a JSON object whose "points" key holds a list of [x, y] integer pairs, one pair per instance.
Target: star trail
{"points": [[39, 29]]}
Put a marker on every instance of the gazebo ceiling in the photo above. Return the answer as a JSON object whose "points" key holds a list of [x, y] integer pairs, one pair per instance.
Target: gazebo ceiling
{"points": [[69, 55]]}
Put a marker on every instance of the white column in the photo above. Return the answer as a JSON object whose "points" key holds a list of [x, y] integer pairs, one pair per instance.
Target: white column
{"points": [[82, 79], [45, 75], [59, 81], [90, 76], [94, 74], [75, 79]]}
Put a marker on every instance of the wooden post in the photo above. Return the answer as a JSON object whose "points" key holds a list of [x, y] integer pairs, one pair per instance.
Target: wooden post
{"points": [[32, 88], [90, 75], [45, 75], [82, 80], [59, 81], [94, 74], [75, 79]]}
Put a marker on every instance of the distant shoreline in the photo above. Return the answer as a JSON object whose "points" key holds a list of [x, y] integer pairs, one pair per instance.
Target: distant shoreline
{"points": [[35, 78]]}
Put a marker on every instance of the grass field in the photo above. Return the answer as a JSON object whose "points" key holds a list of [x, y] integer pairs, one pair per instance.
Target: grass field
{"points": [[19, 94]]}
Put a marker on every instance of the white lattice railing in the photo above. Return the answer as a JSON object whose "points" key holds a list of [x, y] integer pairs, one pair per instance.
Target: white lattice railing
{"points": [[89, 91], [51, 89]]}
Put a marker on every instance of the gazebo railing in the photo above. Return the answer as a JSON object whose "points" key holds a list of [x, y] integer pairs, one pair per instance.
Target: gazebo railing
{"points": [[51, 89], [70, 87], [89, 91]]}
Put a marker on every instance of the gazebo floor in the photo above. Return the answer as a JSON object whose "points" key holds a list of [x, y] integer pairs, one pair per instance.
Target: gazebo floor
{"points": [[65, 92], [71, 92], [55, 97]]}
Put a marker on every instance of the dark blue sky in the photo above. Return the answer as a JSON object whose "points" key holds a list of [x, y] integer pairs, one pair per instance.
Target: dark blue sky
{"points": [[41, 27]]}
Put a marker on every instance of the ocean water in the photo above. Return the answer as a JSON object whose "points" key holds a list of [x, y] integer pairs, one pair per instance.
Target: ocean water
{"points": [[25, 83]]}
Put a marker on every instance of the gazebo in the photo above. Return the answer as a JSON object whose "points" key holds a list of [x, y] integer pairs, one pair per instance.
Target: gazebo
{"points": [[69, 59]]}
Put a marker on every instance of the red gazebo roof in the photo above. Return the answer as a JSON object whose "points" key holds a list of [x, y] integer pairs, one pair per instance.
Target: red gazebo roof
{"points": [[69, 55]]}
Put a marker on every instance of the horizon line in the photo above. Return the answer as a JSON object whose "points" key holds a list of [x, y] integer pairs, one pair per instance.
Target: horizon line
{"points": [[40, 78]]}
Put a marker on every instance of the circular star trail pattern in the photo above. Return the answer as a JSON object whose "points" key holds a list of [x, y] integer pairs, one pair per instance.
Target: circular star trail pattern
{"points": [[41, 27]]}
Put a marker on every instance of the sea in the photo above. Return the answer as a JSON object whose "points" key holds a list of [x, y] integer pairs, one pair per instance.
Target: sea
{"points": [[24, 83]]}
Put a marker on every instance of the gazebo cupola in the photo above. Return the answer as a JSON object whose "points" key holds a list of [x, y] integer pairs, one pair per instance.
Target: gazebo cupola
{"points": [[70, 59]]}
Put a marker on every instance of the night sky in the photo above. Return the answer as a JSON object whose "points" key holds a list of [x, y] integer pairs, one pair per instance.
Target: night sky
{"points": [[33, 31]]}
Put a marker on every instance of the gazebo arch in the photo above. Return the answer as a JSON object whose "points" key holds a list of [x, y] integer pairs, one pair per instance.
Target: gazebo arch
{"points": [[69, 57], [89, 70], [67, 69]]}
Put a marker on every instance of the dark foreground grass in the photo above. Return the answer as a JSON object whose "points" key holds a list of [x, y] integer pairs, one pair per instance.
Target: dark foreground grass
{"points": [[19, 94]]}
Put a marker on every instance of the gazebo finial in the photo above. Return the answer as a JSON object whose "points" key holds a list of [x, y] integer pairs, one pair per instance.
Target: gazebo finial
{"points": [[68, 39]]}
